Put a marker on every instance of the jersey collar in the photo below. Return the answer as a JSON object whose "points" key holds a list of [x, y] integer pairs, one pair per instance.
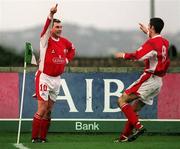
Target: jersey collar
{"points": [[55, 39], [156, 36]]}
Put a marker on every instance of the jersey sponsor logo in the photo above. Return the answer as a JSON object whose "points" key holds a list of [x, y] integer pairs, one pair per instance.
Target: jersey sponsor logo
{"points": [[58, 60]]}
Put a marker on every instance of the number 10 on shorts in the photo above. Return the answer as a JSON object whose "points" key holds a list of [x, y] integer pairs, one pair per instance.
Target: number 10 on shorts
{"points": [[43, 87]]}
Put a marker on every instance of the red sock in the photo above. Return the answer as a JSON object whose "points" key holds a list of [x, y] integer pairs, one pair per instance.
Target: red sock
{"points": [[45, 123], [127, 129], [36, 125], [131, 115]]}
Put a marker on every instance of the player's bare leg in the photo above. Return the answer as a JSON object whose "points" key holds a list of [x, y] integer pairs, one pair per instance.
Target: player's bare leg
{"points": [[50, 107], [46, 121]]}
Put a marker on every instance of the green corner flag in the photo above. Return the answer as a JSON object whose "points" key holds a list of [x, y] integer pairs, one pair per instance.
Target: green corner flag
{"points": [[29, 55]]}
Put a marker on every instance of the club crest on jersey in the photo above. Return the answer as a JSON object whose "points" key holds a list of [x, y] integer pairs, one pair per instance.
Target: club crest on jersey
{"points": [[53, 51]]}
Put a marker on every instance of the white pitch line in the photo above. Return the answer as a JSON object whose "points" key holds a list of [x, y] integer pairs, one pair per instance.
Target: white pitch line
{"points": [[20, 146]]}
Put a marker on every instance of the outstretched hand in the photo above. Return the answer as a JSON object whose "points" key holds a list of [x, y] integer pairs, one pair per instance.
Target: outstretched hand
{"points": [[53, 10], [143, 28], [119, 55]]}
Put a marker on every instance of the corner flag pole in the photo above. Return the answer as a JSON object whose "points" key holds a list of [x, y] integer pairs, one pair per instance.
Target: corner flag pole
{"points": [[22, 99], [29, 58]]}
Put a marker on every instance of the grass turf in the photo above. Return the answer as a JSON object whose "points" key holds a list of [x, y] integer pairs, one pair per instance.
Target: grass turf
{"points": [[90, 141]]}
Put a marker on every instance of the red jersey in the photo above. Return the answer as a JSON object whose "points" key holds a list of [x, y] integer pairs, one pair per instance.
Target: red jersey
{"points": [[154, 52], [54, 54]]}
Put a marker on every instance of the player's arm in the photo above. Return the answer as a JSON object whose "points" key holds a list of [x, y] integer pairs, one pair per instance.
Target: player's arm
{"points": [[128, 56], [144, 52], [46, 33], [119, 55], [70, 52]]}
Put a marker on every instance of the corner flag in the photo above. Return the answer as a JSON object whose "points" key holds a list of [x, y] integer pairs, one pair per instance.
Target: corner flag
{"points": [[28, 59], [29, 55]]}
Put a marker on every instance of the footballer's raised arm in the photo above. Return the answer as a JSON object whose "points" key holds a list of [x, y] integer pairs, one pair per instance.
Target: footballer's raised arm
{"points": [[46, 33]]}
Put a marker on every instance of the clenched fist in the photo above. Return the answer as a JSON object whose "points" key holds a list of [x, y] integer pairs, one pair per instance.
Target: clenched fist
{"points": [[53, 10]]}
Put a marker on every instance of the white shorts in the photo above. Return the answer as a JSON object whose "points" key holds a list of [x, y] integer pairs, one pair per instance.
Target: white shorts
{"points": [[47, 86], [146, 87]]}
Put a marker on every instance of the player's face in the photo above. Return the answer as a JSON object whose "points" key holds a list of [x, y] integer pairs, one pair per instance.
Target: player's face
{"points": [[57, 29]]}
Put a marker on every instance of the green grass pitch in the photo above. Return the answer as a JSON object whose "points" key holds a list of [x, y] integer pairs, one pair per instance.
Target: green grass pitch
{"points": [[90, 141]]}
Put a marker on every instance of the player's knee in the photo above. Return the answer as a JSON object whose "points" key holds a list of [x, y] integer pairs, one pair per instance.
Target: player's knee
{"points": [[119, 101], [42, 110], [122, 100], [48, 115]]}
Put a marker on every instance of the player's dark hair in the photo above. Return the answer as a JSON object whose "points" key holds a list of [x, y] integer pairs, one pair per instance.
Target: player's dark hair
{"points": [[158, 24], [56, 20]]}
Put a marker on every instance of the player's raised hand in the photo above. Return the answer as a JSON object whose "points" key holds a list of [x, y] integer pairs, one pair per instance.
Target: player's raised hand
{"points": [[53, 10], [119, 55], [143, 28]]}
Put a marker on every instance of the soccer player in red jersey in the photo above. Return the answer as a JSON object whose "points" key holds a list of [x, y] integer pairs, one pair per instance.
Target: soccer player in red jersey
{"points": [[154, 53], [55, 52]]}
